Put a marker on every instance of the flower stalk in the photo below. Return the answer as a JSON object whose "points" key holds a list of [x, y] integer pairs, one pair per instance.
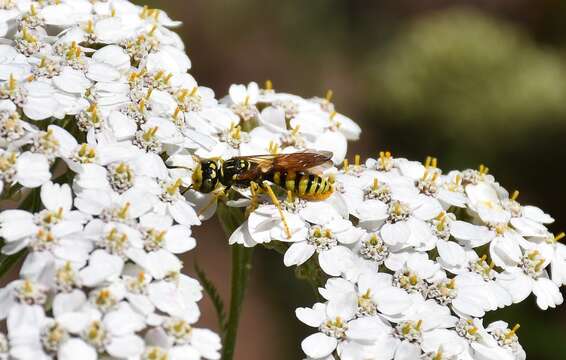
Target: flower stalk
{"points": [[231, 219]]}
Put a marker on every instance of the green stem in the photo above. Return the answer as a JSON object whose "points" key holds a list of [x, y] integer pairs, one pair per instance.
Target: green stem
{"points": [[231, 219], [241, 266]]}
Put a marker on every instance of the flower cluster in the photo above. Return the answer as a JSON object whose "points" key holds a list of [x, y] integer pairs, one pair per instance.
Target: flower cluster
{"points": [[101, 127], [413, 258]]}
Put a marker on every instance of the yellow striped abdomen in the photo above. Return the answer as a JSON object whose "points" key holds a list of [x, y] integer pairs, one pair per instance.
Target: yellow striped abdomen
{"points": [[305, 186]]}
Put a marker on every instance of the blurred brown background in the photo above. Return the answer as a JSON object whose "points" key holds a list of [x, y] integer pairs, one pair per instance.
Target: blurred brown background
{"points": [[469, 82]]}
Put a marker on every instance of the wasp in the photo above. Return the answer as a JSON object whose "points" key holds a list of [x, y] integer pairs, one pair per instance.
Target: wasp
{"points": [[300, 174]]}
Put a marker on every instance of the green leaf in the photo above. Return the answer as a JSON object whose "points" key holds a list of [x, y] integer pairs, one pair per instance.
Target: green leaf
{"points": [[214, 295]]}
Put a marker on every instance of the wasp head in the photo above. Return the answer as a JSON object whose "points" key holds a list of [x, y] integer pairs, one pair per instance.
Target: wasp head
{"points": [[205, 176]]}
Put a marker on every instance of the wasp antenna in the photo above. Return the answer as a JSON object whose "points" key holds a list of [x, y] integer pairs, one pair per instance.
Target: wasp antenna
{"points": [[277, 204]]}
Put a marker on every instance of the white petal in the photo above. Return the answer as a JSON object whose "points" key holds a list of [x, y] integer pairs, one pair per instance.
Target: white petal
{"points": [[516, 283], [102, 266], [123, 320], [75, 348], [32, 170], [396, 234], [183, 213], [547, 293], [55, 196], [298, 253], [312, 317], [130, 346], [392, 301], [318, 345], [336, 260], [206, 342]]}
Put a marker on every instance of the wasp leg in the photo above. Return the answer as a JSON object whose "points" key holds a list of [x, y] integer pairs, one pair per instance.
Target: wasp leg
{"points": [[216, 194], [277, 204], [255, 190]]}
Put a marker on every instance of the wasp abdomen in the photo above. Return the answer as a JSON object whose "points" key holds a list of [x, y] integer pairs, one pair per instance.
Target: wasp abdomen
{"points": [[305, 186]]}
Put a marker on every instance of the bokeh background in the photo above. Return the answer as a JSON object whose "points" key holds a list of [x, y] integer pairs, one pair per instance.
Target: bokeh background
{"points": [[466, 81], [470, 82]]}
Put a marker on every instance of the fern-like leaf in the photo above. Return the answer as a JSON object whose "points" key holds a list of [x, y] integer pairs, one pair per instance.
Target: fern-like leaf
{"points": [[215, 297]]}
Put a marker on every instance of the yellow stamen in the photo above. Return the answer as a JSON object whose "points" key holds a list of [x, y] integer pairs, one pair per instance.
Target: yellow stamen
{"points": [[295, 130], [123, 213], [268, 85], [513, 331], [329, 95], [427, 161], [152, 30], [150, 133], [12, 83], [515, 195], [176, 113], [89, 27], [149, 92], [357, 160], [345, 165], [156, 13], [560, 236], [159, 74], [143, 13], [533, 254]]}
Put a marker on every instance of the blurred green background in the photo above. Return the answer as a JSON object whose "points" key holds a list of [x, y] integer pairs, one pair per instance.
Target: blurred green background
{"points": [[469, 82]]}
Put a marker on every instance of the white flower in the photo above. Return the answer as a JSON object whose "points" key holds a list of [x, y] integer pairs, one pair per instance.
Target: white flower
{"points": [[529, 275], [113, 332], [327, 238], [336, 325], [180, 340]]}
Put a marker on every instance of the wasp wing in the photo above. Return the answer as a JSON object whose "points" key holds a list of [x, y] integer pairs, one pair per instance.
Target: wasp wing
{"points": [[308, 160]]}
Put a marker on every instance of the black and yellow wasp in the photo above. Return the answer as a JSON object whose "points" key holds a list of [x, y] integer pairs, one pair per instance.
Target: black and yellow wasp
{"points": [[299, 173]]}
